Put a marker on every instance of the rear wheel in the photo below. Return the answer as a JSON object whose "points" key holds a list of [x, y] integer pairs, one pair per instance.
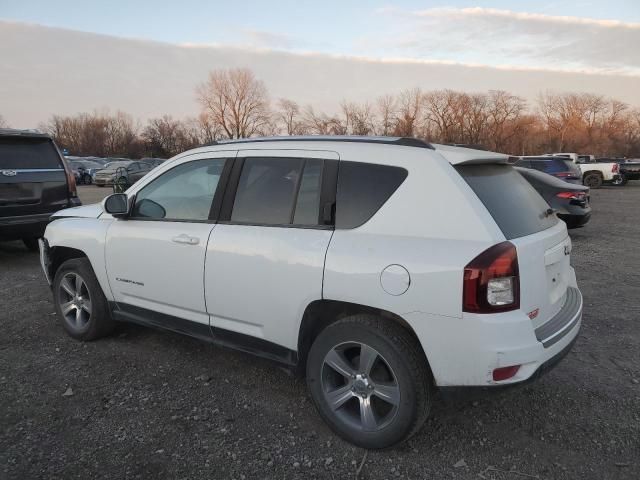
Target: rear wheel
{"points": [[621, 181], [369, 381], [593, 180], [88, 179], [80, 303], [31, 243]]}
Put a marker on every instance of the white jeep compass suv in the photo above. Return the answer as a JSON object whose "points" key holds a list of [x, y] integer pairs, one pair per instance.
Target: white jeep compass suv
{"points": [[384, 268]]}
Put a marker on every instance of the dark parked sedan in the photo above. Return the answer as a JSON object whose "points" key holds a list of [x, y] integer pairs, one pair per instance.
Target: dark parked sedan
{"points": [[559, 167], [570, 201]]}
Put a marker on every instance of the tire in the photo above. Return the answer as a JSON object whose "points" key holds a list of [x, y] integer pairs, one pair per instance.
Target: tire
{"points": [[87, 180], [31, 243], [398, 363], [593, 180], [94, 320], [621, 181]]}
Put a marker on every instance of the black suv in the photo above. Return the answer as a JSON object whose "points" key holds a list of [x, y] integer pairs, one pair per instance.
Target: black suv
{"points": [[34, 182]]}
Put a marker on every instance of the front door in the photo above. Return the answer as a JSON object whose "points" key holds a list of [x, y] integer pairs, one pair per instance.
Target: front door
{"points": [[155, 258]]}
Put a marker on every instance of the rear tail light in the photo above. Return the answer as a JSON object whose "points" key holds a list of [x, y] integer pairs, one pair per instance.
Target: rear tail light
{"points": [[72, 185], [71, 180], [504, 373], [615, 168], [572, 195], [563, 174], [492, 281]]}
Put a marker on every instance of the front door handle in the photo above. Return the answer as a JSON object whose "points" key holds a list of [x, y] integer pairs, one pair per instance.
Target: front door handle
{"points": [[186, 239]]}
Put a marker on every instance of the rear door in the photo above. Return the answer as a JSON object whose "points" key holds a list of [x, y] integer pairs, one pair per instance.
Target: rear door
{"points": [[32, 177], [265, 259], [540, 238]]}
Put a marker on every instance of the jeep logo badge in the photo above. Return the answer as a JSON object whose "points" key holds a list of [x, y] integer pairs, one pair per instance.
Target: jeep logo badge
{"points": [[9, 173]]}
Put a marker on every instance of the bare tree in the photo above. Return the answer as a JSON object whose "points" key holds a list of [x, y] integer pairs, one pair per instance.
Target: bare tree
{"points": [[236, 101], [359, 119], [3, 122], [166, 137], [321, 123], [408, 113], [288, 118], [387, 109]]}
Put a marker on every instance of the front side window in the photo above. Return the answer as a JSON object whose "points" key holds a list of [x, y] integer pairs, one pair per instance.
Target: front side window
{"points": [[183, 193]]}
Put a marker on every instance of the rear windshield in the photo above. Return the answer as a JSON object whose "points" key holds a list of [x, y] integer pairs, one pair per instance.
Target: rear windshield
{"points": [[555, 165], [27, 153], [512, 202]]}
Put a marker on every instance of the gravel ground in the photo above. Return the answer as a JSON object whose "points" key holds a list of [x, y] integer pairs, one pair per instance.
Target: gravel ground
{"points": [[147, 404]]}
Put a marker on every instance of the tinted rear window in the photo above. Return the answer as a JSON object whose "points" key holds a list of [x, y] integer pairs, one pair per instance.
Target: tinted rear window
{"points": [[510, 199], [22, 153], [362, 189]]}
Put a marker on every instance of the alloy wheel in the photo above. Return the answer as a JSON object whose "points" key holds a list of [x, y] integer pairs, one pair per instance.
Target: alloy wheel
{"points": [[75, 301], [360, 387]]}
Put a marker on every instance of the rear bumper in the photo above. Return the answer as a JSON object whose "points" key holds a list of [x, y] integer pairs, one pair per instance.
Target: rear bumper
{"points": [[464, 352], [29, 226], [26, 226], [455, 393], [575, 220]]}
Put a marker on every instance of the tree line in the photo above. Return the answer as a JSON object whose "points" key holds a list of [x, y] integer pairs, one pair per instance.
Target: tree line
{"points": [[235, 104]]}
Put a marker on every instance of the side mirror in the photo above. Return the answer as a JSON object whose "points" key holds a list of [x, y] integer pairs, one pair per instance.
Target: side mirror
{"points": [[116, 204]]}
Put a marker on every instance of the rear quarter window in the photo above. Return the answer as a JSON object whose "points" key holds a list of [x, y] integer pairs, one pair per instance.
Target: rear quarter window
{"points": [[513, 203], [28, 153], [362, 189]]}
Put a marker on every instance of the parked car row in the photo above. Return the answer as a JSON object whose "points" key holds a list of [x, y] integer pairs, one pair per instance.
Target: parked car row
{"points": [[86, 169]]}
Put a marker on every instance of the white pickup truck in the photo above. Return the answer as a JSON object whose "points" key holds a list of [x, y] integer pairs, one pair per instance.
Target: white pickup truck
{"points": [[594, 174]]}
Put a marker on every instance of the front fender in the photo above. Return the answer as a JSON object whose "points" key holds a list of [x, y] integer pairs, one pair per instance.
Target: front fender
{"points": [[84, 234]]}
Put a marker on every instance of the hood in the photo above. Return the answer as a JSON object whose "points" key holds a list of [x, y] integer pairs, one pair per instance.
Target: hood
{"points": [[86, 211]]}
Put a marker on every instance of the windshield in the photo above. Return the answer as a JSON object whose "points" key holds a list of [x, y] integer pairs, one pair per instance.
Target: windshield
{"points": [[510, 199]]}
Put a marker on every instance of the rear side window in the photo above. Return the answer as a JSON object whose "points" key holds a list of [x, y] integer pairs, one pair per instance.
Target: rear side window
{"points": [[362, 189], [308, 202], [510, 199], [28, 153], [267, 191]]}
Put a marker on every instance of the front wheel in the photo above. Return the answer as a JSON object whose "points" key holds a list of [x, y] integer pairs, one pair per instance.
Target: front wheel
{"points": [[80, 303], [88, 180], [369, 381]]}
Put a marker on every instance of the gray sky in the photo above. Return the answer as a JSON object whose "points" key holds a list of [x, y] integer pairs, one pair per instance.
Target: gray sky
{"points": [[47, 70]]}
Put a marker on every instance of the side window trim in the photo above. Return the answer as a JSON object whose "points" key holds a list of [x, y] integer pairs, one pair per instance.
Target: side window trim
{"points": [[217, 197], [328, 189]]}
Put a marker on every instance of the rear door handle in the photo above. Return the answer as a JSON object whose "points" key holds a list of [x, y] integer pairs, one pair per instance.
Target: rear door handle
{"points": [[186, 239]]}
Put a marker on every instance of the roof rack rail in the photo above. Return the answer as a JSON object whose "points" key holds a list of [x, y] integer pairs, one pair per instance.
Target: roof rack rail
{"points": [[402, 141], [14, 132]]}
